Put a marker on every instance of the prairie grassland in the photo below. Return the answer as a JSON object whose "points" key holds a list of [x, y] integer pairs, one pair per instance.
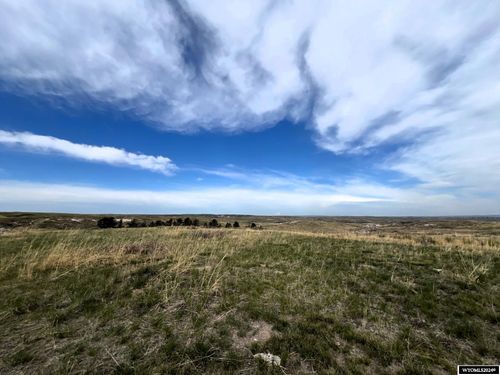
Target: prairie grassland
{"points": [[197, 301]]}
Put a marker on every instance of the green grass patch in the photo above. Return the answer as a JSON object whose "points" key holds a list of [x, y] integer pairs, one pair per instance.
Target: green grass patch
{"points": [[186, 301]]}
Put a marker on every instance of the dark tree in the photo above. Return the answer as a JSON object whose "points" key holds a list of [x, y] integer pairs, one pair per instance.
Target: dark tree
{"points": [[213, 223], [205, 224], [168, 223], [159, 223], [196, 223], [236, 224], [133, 224], [228, 225], [120, 224], [107, 222], [253, 225], [188, 222], [152, 224], [179, 222]]}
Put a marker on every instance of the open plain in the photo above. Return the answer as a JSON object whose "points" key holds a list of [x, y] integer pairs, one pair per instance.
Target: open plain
{"points": [[325, 295]]}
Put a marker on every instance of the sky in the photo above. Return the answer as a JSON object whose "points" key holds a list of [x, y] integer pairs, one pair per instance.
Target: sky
{"points": [[272, 107]]}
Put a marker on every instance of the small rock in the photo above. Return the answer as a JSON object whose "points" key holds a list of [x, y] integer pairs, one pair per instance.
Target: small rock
{"points": [[269, 359]]}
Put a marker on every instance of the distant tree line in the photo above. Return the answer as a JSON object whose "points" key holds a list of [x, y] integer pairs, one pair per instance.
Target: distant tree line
{"points": [[111, 222]]}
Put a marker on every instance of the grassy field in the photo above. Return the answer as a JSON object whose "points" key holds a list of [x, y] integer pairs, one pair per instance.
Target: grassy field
{"points": [[328, 296]]}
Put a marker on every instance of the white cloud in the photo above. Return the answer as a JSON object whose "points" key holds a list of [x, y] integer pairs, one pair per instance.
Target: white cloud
{"points": [[363, 74], [99, 154], [462, 158], [355, 198], [32, 196], [268, 179]]}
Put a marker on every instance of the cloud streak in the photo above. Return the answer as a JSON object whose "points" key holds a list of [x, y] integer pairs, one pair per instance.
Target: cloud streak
{"points": [[350, 199], [60, 197], [97, 154]]}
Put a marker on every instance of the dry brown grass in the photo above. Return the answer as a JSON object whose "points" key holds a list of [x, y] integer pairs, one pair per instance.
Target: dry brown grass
{"points": [[191, 298], [184, 249], [60, 251], [446, 241]]}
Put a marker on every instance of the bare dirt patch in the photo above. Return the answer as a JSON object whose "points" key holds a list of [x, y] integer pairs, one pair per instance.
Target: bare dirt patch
{"points": [[259, 332]]}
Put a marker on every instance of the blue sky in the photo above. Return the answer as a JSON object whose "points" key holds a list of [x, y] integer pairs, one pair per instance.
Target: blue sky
{"points": [[253, 107]]}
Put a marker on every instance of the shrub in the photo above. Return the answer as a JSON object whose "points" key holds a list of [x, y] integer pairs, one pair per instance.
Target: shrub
{"points": [[228, 225], [253, 225], [196, 222], [236, 224], [133, 223], [107, 222], [188, 222], [213, 223]]}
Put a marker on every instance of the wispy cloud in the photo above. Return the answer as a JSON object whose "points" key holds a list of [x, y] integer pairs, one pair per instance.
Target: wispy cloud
{"points": [[60, 197], [99, 154], [268, 179], [355, 198], [362, 75]]}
